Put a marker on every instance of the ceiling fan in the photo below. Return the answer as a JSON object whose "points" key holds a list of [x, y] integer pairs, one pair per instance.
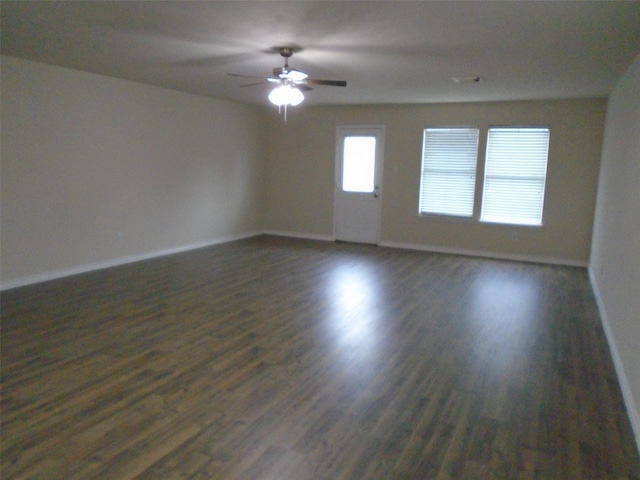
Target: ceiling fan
{"points": [[289, 83]]}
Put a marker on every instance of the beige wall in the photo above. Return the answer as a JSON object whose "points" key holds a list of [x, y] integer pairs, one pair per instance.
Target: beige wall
{"points": [[300, 176], [615, 257], [96, 169]]}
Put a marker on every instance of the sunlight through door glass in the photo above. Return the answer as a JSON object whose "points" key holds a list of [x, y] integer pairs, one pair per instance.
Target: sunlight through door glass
{"points": [[358, 164]]}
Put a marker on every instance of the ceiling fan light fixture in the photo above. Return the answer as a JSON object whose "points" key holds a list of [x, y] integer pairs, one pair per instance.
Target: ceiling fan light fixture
{"points": [[286, 95]]}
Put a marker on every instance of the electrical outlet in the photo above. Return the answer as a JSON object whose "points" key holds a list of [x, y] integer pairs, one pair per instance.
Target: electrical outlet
{"points": [[514, 236]]}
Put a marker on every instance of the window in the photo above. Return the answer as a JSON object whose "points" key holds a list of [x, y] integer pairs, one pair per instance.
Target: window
{"points": [[359, 164], [515, 174], [449, 157]]}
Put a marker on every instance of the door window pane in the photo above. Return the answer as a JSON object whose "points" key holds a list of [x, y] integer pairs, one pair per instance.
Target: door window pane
{"points": [[358, 164]]}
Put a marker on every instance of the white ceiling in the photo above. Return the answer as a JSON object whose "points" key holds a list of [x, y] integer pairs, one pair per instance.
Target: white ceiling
{"points": [[387, 51]]}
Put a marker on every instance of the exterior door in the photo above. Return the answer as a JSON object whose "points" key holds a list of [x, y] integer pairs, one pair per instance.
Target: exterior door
{"points": [[358, 188]]}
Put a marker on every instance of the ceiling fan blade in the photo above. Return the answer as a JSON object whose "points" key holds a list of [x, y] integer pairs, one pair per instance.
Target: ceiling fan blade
{"points": [[296, 75], [253, 84], [303, 88], [240, 75], [332, 83], [291, 74]]}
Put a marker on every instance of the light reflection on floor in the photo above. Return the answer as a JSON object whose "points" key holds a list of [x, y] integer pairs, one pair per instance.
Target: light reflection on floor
{"points": [[354, 311], [502, 311]]}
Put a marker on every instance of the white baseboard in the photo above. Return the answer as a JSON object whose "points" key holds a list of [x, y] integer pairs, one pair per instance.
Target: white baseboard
{"points": [[307, 236], [627, 395], [439, 249], [486, 254], [52, 275], [89, 267]]}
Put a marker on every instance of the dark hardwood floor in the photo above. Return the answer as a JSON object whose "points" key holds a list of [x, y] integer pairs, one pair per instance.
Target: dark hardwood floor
{"points": [[274, 358]]}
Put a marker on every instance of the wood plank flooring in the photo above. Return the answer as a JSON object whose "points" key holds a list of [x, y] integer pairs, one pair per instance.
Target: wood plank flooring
{"points": [[274, 358]]}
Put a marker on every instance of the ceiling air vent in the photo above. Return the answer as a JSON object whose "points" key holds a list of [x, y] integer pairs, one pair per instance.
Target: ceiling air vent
{"points": [[473, 79]]}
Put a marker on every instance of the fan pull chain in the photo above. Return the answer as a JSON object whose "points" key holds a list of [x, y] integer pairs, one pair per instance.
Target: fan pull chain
{"points": [[285, 112]]}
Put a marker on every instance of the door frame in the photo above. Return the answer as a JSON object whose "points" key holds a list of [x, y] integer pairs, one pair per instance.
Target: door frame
{"points": [[347, 130]]}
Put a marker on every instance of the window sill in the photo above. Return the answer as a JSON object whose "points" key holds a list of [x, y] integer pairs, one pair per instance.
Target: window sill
{"points": [[446, 218], [511, 225]]}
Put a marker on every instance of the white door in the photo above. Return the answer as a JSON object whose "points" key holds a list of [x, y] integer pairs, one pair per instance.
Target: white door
{"points": [[358, 189]]}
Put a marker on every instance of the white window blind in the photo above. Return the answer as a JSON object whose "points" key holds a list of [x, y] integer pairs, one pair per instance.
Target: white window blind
{"points": [[515, 174], [449, 157]]}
